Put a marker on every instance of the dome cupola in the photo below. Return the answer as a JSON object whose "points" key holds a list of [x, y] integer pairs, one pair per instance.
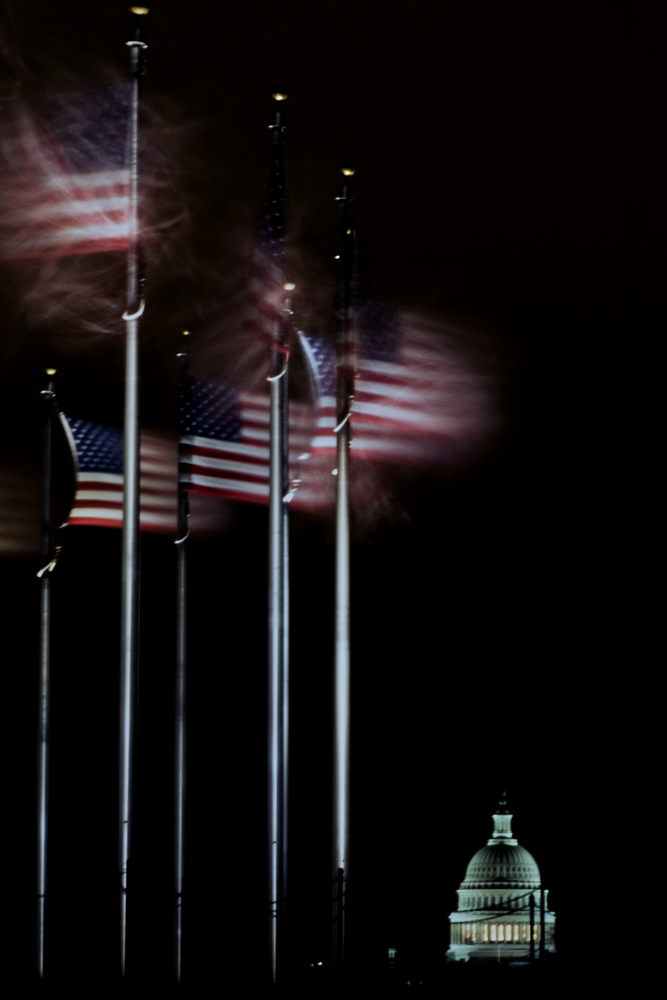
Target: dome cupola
{"points": [[502, 824]]}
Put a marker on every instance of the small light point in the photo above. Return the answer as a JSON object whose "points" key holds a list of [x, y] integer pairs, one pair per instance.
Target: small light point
{"points": [[289, 286], [279, 95], [50, 371], [347, 169], [186, 333], [139, 10]]}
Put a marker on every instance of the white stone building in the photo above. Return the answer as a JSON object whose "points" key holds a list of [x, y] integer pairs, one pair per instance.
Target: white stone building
{"points": [[493, 918]]}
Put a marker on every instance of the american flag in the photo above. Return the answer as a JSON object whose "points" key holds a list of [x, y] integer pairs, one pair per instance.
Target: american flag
{"points": [[225, 439], [414, 401], [99, 454], [73, 195]]}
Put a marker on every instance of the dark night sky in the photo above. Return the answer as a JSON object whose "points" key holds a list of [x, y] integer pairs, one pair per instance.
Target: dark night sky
{"points": [[508, 176]]}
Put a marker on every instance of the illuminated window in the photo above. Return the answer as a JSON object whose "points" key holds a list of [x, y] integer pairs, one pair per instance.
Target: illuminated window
{"points": [[516, 932], [485, 932], [493, 932], [474, 933], [524, 932], [501, 932]]}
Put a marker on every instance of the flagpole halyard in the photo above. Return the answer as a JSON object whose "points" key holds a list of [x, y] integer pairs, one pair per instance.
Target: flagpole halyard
{"points": [[341, 728], [131, 482]]}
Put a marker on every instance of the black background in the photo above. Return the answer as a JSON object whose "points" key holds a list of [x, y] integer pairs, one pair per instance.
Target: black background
{"points": [[507, 177]]}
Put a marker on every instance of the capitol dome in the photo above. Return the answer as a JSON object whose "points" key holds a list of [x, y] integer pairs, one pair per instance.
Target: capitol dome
{"points": [[500, 865], [502, 910]]}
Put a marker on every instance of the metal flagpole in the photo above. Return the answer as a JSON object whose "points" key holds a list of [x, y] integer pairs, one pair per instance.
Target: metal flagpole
{"points": [[182, 532], [341, 750], [278, 672], [130, 544], [284, 679], [44, 675]]}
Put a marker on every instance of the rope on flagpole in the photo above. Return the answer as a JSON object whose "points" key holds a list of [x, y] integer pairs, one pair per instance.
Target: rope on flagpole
{"points": [[50, 566], [345, 419], [135, 315], [275, 378]]}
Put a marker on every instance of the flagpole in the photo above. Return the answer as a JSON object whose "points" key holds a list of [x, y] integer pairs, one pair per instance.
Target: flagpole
{"points": [[278, 680], [341, 749], [284, 678], [182, 531], [44, 713], [130, 542]]}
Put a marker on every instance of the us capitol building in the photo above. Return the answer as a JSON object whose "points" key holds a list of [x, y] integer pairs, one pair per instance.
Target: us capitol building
{"points": [[494, 917]]}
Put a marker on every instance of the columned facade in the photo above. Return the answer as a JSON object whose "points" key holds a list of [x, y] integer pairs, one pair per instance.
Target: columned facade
{"points": [[493, 917]]}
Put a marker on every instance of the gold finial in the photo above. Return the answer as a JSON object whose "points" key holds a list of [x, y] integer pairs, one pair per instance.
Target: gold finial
{"points": [[279, 95], [289, 286], [139, 10], [348, 169], [50, 371]]}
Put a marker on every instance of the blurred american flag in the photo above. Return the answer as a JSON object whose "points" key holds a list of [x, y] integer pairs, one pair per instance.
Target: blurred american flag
{"points": [[99, 487], [414, 400], [72, 195], [225, 435]]}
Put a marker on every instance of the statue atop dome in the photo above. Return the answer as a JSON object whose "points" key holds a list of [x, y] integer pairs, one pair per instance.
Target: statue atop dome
{"points": [[502, 805]]}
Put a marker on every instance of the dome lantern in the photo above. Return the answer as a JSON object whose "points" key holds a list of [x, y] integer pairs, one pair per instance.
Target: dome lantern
{"points": [[502, 824]]}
